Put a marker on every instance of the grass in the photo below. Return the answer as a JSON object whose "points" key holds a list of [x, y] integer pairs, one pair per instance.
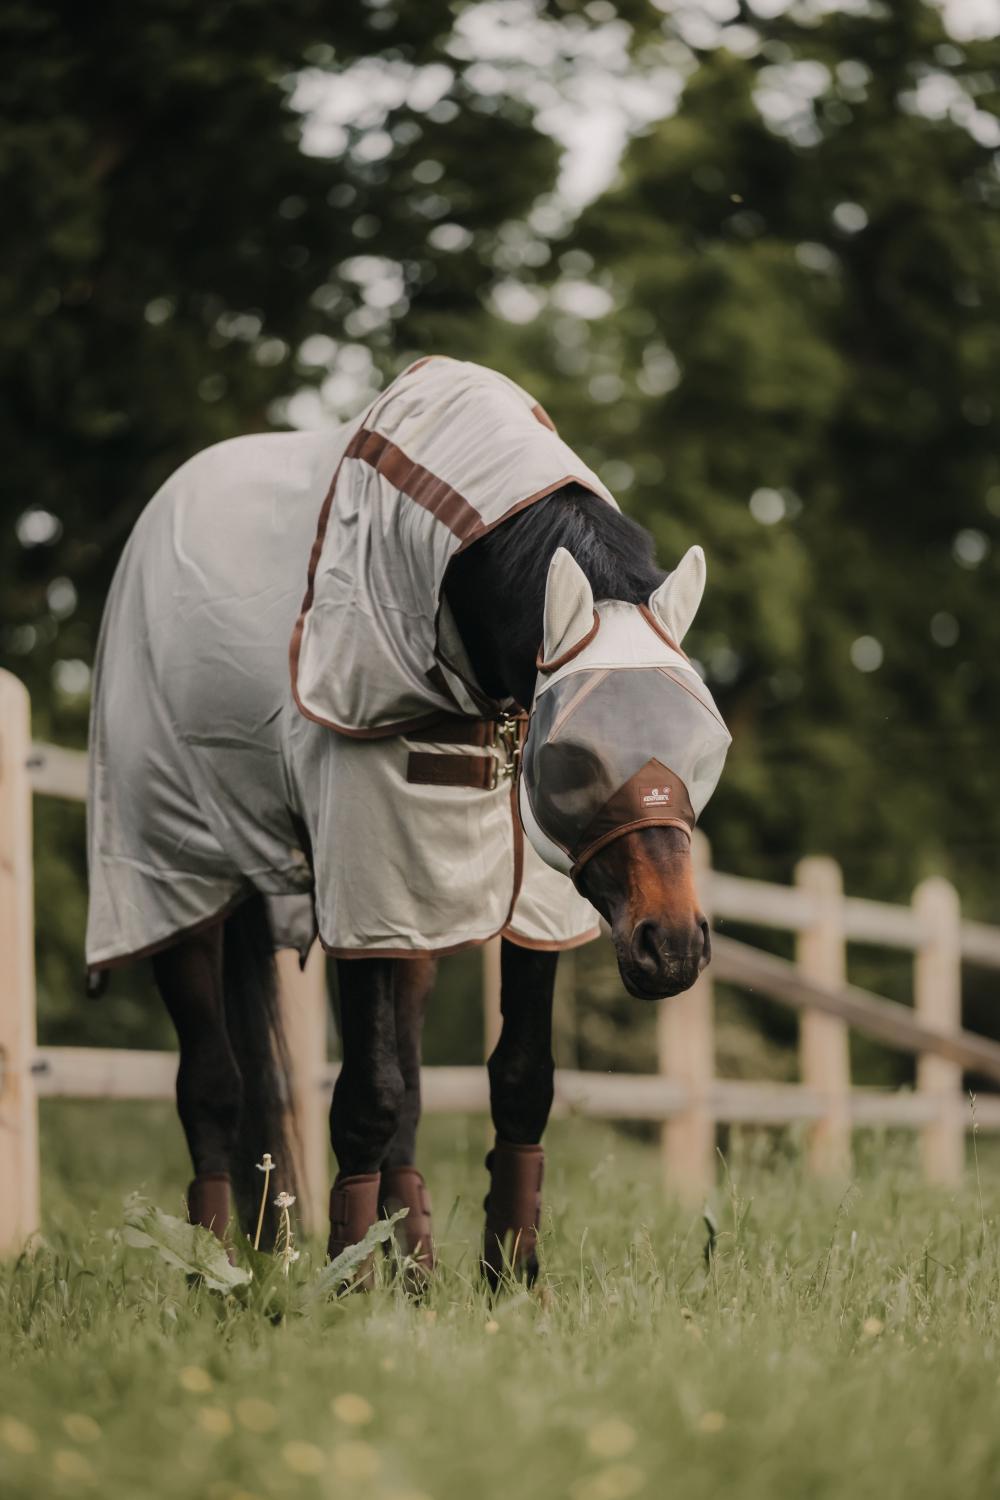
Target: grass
{"points": [[836, 1345]]}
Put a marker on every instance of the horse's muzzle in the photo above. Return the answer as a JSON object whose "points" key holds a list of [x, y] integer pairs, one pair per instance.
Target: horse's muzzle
{"points": [[653, 964]]}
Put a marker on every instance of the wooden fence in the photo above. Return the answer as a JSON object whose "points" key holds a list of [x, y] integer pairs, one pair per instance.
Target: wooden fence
{"points": [[684, 1095]]}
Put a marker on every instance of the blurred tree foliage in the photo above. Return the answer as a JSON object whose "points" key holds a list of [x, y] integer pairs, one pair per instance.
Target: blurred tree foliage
{"points": [[168, 250], [776, 333], [798, 367]]}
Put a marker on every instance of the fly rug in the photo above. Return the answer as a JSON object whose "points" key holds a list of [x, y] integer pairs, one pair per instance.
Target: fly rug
{"points": [[340, 676]]}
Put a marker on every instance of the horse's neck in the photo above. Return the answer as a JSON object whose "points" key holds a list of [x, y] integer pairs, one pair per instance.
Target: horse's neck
{"points": [[500, 629]]}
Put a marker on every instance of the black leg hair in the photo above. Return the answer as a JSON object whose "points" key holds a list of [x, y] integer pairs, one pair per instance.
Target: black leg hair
{"points": [[369, 1096], [414, 980], [521, 1066], [209, 1087]]}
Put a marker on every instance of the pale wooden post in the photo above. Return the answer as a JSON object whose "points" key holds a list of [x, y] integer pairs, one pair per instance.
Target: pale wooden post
{"points": [[824, 1048], [19, 1192], [685, 1044], [491, 995], [304, 1017], [937, 997]]}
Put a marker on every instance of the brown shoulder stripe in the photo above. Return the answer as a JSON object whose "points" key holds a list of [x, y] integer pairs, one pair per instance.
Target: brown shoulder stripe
{"points": [[416, 482]]}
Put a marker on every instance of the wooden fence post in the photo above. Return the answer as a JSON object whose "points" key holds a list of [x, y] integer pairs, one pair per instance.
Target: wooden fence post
{"points": [[303, 1001], [937, 997], [824, 1048], [19, 1192], [685, 1037]]}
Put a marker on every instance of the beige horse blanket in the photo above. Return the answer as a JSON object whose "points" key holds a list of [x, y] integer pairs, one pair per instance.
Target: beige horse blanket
{"points": [[282, 703]]}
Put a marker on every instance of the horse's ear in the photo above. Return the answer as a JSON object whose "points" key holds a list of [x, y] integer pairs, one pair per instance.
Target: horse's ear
{"points": [[676, 601], [569, 605]]}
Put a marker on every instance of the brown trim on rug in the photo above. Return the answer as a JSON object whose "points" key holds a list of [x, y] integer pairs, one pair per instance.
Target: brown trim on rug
{"points": [[443, 952], [541, 415], [417, 483], [453, 729], [549, 489], [574, 650], [616, 833], [162, 944], [383, 732], [544, 945]]}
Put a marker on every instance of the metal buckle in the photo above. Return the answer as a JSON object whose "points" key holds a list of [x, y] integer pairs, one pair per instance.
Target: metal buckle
{"points": [[507, 739]]}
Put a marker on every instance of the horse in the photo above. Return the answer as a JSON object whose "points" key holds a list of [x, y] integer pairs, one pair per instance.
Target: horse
{"points": [[526, 598]]}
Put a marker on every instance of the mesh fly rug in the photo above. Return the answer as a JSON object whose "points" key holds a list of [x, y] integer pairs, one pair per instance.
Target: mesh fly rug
{"points": [[363, 790]]}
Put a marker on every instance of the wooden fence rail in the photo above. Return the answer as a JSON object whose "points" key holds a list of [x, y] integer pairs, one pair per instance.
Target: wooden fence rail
{"points": [[684, 1095]]}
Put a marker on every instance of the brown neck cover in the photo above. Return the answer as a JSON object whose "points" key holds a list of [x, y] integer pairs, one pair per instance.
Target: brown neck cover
{"points": [[653, 797]]}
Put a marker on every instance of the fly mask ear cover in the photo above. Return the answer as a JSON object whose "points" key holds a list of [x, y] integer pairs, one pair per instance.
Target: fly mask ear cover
{"points": [[623, 732]]}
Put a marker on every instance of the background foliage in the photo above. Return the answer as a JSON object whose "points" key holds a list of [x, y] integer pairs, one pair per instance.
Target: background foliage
{"points": [[774, 332]]}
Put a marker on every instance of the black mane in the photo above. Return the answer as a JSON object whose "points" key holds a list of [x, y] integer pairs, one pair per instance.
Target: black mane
{"points": [[496, 588]]}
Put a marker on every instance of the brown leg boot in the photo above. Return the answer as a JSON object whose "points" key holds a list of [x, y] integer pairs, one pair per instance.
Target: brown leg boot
{"points": [[513, 1206], [404, 1187], [209, 1202], [353, 1211]]}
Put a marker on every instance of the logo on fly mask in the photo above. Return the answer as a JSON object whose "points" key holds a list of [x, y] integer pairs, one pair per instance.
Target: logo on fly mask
{"points": [[654, 792], [653, 795]]}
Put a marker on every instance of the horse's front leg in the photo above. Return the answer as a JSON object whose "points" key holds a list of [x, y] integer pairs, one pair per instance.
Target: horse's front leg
{"points": [[403, 1185], [368, 1097], [520, 1070]]}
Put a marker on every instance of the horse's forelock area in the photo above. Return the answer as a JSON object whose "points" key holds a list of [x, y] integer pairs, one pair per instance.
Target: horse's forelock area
{"points": [[496, 588], [615, 552]]}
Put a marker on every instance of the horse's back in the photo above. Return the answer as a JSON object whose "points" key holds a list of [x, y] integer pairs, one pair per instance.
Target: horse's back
{"points": [[188, 794]]}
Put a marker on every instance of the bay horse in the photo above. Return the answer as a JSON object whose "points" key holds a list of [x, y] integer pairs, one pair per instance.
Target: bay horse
{"points": [[522, 596]]}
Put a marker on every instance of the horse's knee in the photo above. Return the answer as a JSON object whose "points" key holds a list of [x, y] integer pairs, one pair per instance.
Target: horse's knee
{"points": [[209, 1098], [521, 1092], [365, 1114]]}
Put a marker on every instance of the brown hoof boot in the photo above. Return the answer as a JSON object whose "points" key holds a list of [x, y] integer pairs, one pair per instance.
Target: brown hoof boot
{"points": [[209, 1202], [513, 1206], [404, 1187], [353, 1211]]}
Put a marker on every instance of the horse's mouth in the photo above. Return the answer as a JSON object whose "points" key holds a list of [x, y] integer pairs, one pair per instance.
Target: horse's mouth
{"points": [[678, 976]]}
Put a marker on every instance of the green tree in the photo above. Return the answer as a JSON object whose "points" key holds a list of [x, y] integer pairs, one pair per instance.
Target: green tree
{"points": [[184, 249], [798, 367]]}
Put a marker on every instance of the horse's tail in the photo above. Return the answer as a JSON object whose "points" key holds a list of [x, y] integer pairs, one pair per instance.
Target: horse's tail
{"points": [[253, 1020]]}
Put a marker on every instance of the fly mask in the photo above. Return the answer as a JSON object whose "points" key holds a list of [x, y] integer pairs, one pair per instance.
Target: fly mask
{"points": [[623, 732]]}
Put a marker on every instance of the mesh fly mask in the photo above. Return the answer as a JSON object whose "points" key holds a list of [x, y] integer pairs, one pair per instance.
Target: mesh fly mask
{"points": [[623, 735]]}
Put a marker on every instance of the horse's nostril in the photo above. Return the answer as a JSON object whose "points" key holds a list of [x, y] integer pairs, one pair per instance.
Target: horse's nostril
{"points": [[648, 945], [706, 943]]}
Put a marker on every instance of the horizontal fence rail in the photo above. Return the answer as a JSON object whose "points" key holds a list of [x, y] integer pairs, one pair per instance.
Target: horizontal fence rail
{"points": [[684, 1096], [120, 1074]]}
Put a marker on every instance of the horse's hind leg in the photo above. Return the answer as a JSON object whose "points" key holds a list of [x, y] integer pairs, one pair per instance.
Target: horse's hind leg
{"points": [[402, 1184], [368, 1097], [209, 1087], [521, 1070]]}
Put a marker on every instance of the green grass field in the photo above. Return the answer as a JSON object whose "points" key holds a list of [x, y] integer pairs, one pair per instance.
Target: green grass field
{"points": [[836, 1345]]}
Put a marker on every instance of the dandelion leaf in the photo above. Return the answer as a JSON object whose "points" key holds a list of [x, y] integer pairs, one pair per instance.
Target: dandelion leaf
{"points": [[187, 1247], [339, 1271]]}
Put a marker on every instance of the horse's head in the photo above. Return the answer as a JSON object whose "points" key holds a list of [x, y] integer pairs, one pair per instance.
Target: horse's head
{"points": [[625, 747]]}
